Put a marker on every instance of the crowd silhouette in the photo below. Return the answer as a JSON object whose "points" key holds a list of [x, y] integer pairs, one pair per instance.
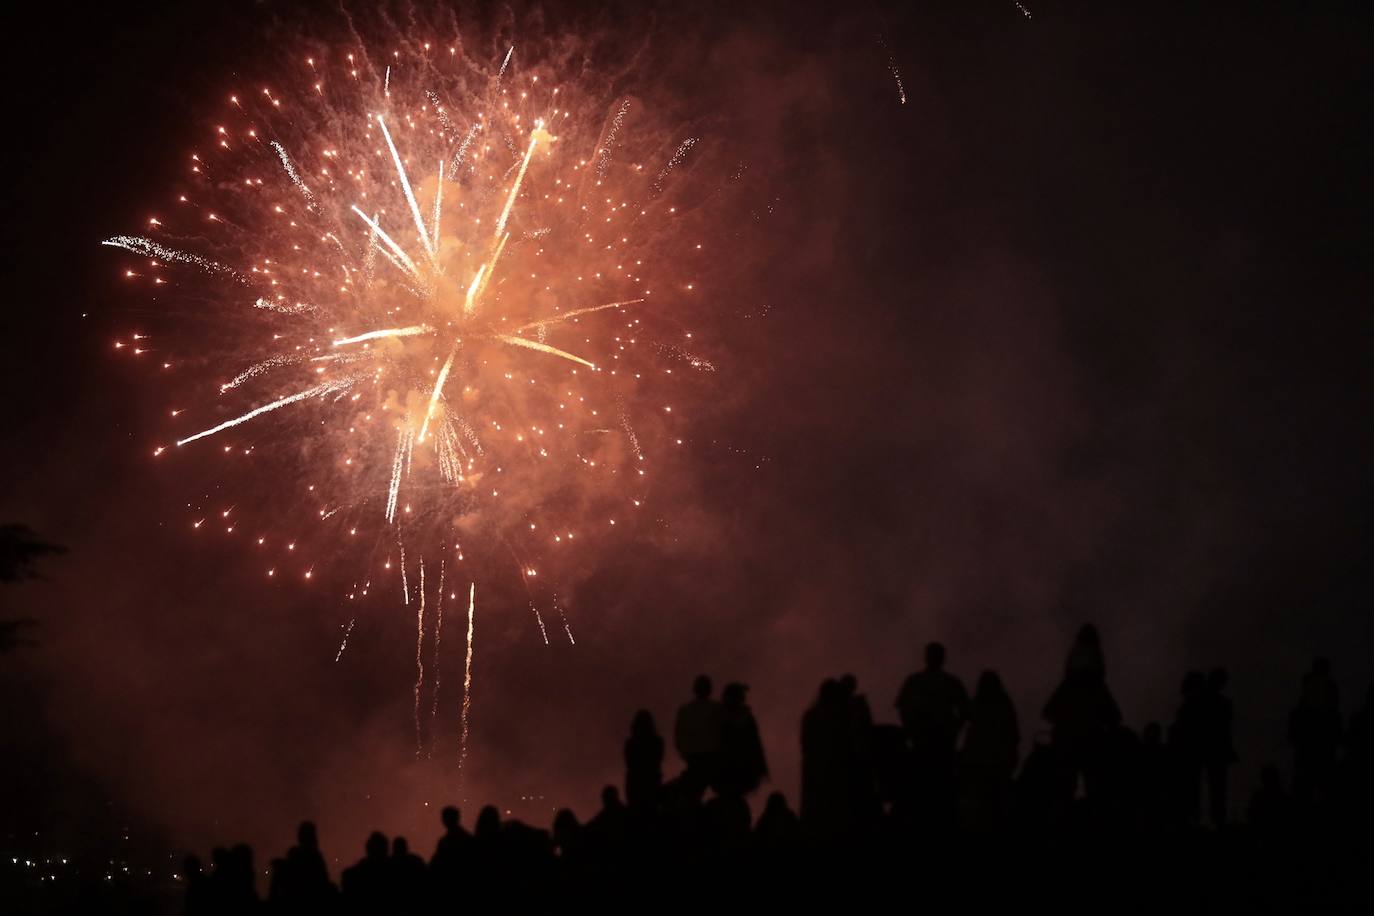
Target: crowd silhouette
{"points": [[943, 806]]}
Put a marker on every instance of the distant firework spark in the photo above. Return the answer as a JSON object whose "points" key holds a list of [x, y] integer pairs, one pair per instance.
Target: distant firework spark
{"points": [[446, 307]]}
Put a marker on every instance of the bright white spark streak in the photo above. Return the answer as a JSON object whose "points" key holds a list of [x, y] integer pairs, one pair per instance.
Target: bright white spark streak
{"points": [[396, 465], [291, 172], [405, 186], [397, 254], [462, 153], [490, 269], [502, 72], [151, 249], [386, 332], [438, 389], [405, 589], [540, 620], [467, 679], [321, 389], [438, 634], [683, 149], [542, 348], [520, 177], [470, 302]]}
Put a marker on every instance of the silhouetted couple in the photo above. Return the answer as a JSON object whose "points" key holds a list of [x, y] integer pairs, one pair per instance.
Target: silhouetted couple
{"points": [[719, 742]]}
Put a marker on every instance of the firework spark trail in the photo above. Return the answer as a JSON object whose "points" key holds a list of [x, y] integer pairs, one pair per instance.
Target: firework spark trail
{"points": [[405, 186], [405, 588], [691, 359], [298, 308], [629, 432], [438, 636], [484, 277], [291, 172], [462, 152], [411, 331], [564, 617], [344, 645], [470, 301], [394, 490], [439, 111], [544, 322], [538, 618], [467, 680], [604, 153], [505, 62], [542, 348], [1024, 12], [438, 199], [397, 254], [535, 136], [892, 67], [317, 391], [257, 369], [683, 149], [149, 248], [419, 661], [438, 389]]}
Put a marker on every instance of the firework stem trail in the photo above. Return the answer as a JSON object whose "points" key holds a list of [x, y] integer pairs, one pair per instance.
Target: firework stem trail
{"points": [[397, 254], [438, 635], [291, 172], [535, 136], [151, 249], [344, 645], [419, 661], [467, 680], [405, 186], [317, 391], [545, 322], [438, 201], [438, 389]]}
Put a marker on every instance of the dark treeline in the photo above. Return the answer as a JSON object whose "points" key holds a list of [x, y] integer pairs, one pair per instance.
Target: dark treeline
{"points": [[949, 807]]}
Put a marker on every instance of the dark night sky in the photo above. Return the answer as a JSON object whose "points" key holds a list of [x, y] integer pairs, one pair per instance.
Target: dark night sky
{"points": [[1081, 332]]}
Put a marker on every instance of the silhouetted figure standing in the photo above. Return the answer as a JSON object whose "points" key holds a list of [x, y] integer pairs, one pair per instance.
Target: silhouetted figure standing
{"points": [[301, 880], [1082, 714], [934, 705], [825, 751], [367, 885], [1314, 730], [742, 764], [1218, 745], [643, 763], [1187, 742], [991, 750], [696, 736], [448, 867], [861, 773], [199, 900], [407, 877]]}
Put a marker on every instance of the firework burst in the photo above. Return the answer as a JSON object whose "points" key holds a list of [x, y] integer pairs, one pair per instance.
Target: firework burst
{"points": [[447, 299]]}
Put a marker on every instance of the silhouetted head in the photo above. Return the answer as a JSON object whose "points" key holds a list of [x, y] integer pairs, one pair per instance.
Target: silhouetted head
{"points": [[1088, 636], [488, 822], [643, 725], [565, 826], [776, 805], [935, 656], [1217, 679], [830, 691], [849, 684], [1321, 666], [701, 687], [989, 687], [734, 694], [610, 797], [399, 847], [450, 817], [306, 836], [376, 845], [1194, 682]]}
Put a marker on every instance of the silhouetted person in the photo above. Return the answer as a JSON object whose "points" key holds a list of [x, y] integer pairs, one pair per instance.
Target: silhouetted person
{"points": [[825, 751], [933, 706], [367, 885], [607, 832], [407, 877], [1218, 745], [643, 763], [696, 736], [991, 749], [1187, 741], [742, 764], [300, 881], [1314, 730], [861, 778], [1082, 714], [449, 866]]}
